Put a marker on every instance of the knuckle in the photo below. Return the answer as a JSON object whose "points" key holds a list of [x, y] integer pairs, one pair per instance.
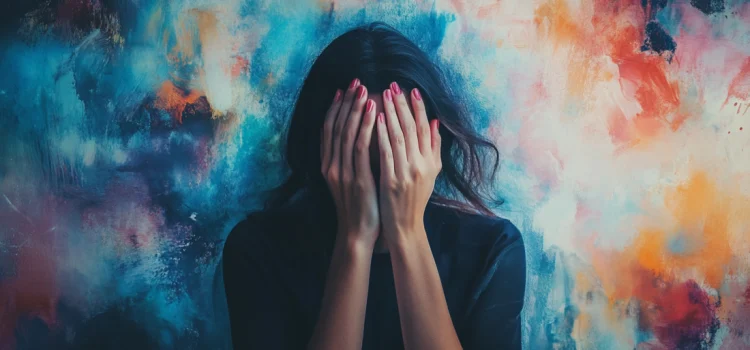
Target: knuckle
{"points": [[346, 178], [400, 140], [360, 184], [384, 153], [396, 186], [415, 172], [411, 128], [333, 174], [361, 147], [424, 130]]}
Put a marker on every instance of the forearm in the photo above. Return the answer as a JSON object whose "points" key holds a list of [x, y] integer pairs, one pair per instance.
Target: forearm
{"points": [[341, 321], [425, 320]]}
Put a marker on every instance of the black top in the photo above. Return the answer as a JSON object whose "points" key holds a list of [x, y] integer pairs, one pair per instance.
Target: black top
{"points": [[274, 277]]}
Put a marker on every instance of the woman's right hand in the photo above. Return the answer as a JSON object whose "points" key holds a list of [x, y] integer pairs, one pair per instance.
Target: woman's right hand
{"points": [[345, 164]]}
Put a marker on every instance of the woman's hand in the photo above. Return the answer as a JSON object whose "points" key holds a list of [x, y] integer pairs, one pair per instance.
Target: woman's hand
{"points": [[409, 163], [345, 164]]}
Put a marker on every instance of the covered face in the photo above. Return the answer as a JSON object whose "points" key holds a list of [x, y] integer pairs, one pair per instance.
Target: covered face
{"points": [[377, 97]]}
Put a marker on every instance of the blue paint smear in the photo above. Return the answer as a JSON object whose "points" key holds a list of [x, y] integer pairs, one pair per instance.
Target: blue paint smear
{"points": [[64, 95]]}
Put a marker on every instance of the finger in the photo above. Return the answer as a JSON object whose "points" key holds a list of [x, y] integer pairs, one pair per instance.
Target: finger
{"points": [[387, 170], [395, 134], [349, 135], [436, 142], [423, 125], [326, 145], [362, 148], [406, 119], [343, 113]]}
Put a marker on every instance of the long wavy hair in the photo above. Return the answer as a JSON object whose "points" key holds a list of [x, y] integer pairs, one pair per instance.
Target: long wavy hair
{"points": [[378, 54]]}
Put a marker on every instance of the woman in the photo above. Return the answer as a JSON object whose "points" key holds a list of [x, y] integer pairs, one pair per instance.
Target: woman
{"points": [[355, 250]]}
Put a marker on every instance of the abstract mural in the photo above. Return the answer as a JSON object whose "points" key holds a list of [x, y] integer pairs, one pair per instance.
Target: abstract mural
{"points": [[135, 133]]}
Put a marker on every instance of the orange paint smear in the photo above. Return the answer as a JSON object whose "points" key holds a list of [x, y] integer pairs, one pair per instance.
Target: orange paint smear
{"points": [[562, 28], [617, 32], [658, 267], [173, 99]]}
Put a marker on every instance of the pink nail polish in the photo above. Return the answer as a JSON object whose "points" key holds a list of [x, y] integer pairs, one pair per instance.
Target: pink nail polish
{"points": [[337, 97], [417, 95], [396, 89], [354, 83], [370, 104], [361, 91], [380, 117], [388, 95]]}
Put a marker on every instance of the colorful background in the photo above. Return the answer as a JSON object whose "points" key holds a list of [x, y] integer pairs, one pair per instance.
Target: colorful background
{"points": [[135, 133]]}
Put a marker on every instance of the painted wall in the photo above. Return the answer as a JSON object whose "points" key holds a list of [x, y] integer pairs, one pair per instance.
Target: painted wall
{"points": [[135, 133]]}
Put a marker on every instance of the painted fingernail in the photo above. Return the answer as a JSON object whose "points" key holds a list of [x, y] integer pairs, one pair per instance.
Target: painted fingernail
{"points": [[395, 88], [417, 95], [388, 95], [338, 96], [380, 117], [370, 104], [354, 83], [361, 91]]}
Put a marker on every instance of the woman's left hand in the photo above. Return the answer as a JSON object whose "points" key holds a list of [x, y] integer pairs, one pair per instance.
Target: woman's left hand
{"points": [[409, 164]]}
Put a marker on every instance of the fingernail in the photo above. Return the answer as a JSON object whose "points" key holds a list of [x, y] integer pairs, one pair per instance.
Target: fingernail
{"points": [[388, 96], [370, 104], [417, 95], [361, 91], [354, 83], [395, 88], [338, 96], [380, 117]]}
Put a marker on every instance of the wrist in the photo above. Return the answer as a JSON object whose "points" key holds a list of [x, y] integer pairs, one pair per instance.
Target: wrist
{"points": [[354, 244], [405, 239]]}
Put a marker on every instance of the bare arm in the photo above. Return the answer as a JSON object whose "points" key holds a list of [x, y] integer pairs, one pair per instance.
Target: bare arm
{"points": [[347, 171], [342, 316], [409, 162], [425, 320]]}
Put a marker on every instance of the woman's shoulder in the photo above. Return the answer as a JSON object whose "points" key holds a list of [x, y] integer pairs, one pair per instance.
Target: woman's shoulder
{"points": [[281, 231], [257, 231], [245, 235], [469, 229]]}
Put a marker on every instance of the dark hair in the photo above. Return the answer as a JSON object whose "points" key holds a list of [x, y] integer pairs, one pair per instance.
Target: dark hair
{"points": [[378, 54]]}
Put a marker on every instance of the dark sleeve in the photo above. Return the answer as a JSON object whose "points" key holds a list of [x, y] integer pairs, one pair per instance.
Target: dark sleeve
{"points": [[495, 319], [260, 316]]}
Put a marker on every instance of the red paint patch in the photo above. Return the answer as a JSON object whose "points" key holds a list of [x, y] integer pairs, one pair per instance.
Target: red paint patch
{"points": [[31, 291], [740, 86], [241, 65]]}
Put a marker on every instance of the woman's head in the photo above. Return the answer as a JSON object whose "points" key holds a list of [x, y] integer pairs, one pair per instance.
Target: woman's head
{"points": [[377, 55]]}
